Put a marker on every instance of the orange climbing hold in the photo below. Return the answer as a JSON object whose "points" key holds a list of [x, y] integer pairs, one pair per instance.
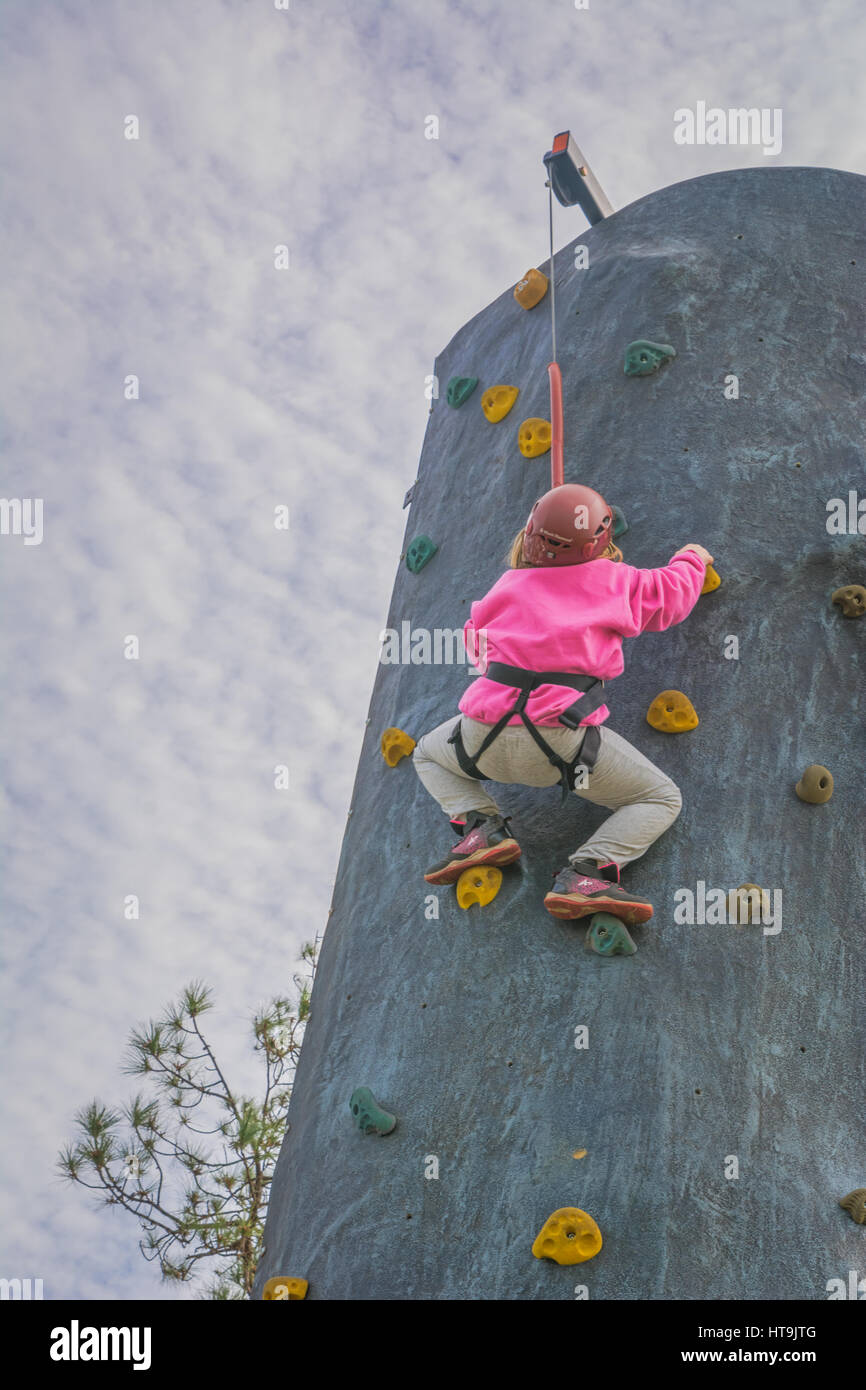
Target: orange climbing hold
{"points": [[711, 581], [497, 401], [534, 437], [531, 289], [396, 745], [672, 712], [569, 1237], [284, 1288], [478, 886]]}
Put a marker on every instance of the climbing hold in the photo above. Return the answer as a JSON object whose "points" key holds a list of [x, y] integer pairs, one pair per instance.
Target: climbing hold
{"points": [[672, 712], [711, 581], [497, 401], [369, 1115], [534, 438], [608, 936], [855, 1205], [531, 289], [478, 885], [748, 903], [852, 600], [396, 745], [460, 388], [816, 785], [282, 1287], [620, 525], [642, 357], [420, 551], [569, 1237], [579, 1153]]}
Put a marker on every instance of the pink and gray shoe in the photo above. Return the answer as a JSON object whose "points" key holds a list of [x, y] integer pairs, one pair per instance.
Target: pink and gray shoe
{"points": [[583, 888], [486, 840]]}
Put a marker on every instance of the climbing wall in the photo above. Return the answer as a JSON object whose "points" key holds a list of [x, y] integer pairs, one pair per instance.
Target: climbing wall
{"points": [[712, 1081]]}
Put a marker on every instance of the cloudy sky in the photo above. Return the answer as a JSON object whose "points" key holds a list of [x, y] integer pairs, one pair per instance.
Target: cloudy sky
{"points": [[261, 386]]}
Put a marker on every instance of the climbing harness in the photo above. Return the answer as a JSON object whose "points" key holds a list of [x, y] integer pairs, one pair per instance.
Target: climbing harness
{"points": [[527, 681]]}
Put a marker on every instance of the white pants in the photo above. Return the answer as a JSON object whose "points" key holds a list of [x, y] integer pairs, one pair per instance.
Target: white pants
{"points": [[643, 799]]}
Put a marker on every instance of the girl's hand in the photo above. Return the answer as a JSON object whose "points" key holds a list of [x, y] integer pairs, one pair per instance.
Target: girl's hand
{"points": [[704, 554]]}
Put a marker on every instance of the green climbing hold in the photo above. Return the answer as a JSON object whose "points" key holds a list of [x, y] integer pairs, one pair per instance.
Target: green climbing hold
{"points": [[620, 525], [369, 1115], [643, 357], [608, 936], [420, 551], [460, 388]]}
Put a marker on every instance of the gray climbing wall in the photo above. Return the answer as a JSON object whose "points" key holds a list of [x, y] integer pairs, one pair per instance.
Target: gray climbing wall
{"points": [[713, 1040]]}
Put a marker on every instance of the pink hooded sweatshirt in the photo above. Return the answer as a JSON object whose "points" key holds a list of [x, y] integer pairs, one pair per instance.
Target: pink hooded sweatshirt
{"points": [[570, 618]]}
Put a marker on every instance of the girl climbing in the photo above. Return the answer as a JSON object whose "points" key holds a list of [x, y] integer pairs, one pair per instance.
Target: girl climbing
{"points": [[546, 637]]}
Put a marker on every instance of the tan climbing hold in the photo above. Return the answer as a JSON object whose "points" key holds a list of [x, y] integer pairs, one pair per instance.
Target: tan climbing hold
{"points": [[672, 712], [816, 785], [531, 289], [748, 903], [711, 581], [283, 1288], [569, 1237], [497, 401], [534, 437], [855, 1205], [852, 600]]}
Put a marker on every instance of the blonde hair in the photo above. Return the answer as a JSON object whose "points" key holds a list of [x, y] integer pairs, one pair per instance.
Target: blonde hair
{"points": [[517, 562]]}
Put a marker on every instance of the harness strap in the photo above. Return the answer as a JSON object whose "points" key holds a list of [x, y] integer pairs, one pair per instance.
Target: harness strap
{"points": [[526, 682]]}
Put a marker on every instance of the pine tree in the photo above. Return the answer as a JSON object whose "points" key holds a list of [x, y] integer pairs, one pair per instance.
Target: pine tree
{"points": [[194, 1161]]}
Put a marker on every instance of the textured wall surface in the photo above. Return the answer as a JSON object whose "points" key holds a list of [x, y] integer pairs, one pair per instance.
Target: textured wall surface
{"points": [[712, 1040]]}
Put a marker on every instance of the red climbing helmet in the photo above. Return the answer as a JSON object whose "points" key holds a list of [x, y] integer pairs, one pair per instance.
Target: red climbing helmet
{"points": [[567, 526]]}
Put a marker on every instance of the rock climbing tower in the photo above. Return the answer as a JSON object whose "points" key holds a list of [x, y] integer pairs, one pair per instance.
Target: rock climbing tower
{"points": [[701, 1098]]}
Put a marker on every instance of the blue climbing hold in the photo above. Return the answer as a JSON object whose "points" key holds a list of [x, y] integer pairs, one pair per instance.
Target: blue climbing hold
{"points": [[420, 551], [620, 525], [642, 357], [460, 388], [608, 936]]}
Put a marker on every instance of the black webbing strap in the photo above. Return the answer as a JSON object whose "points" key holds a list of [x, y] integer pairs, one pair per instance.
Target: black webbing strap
{"points": [[526, 682]]}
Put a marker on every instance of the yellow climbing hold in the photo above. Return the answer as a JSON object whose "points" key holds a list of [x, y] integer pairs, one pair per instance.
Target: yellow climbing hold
{"points": [[497, 401], [396, 745], [579, 1153], [672, 712], [569, 1237], [531, 289], [534, 438], [478, 885], [711, 581], [284, 1288]]}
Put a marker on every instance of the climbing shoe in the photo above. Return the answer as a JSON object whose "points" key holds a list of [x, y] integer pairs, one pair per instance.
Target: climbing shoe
{"points": [[486, 840], [583, 888]]}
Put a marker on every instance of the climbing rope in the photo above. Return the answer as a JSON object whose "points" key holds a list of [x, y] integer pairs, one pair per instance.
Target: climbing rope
{"points": [[553, 372], [552, 278]]}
